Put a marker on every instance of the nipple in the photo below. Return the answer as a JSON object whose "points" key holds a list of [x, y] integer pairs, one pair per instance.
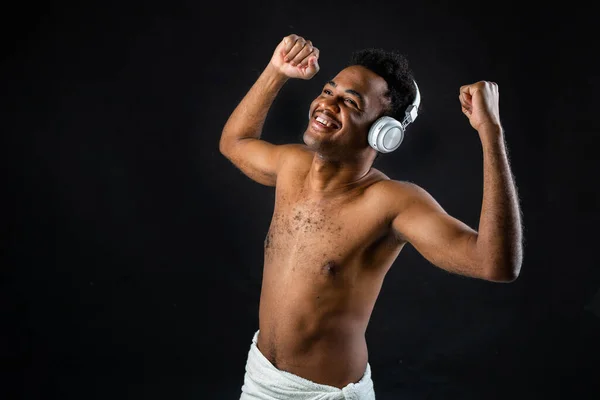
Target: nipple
{"points": [[330, 268]]}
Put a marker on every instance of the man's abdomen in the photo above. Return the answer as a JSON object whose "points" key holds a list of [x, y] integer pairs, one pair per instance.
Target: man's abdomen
{"points": [[313, 329]]}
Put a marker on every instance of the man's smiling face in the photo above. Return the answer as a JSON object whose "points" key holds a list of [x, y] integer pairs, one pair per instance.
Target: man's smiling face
{"points": [[341, 115]]}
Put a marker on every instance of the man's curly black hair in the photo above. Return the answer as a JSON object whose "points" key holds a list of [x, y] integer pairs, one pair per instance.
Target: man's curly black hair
{"points": [[393, 67]]}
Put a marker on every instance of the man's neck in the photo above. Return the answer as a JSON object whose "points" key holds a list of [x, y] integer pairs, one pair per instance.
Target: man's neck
{"points": [[333, 177]]}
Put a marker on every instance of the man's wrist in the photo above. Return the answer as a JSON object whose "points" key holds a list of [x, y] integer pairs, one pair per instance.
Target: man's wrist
{"points": [[490, 131], [274, 75]]}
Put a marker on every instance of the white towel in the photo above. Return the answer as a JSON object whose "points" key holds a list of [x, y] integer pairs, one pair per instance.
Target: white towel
{"points": [[263, 381]]}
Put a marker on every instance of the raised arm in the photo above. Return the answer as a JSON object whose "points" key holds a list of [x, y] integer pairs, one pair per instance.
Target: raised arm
{"points": [[495, 251], [240, 141]]}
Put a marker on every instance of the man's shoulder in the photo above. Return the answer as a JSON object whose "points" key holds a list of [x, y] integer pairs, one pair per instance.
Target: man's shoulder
{"points": [[295, 151], [296, 147], [398, 194], [295, 160], [296, 156], [395, 187]]}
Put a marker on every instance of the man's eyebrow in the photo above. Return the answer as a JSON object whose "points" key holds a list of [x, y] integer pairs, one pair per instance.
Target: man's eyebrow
{"points": [[351, 91]]}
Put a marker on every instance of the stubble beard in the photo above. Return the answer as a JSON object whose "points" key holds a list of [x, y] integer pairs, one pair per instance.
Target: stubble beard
{"points": [[324, 148]]}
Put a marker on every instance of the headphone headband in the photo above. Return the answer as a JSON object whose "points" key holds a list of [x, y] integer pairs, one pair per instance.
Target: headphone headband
{"points": [[412, 111]]}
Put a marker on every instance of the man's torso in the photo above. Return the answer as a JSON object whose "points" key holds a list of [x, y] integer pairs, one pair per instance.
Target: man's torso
{"points": [[325, 261]]}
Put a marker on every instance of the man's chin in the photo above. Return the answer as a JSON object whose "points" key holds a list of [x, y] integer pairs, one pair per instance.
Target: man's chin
{"points": [[314, 144], [324, 148], [315, 141]]}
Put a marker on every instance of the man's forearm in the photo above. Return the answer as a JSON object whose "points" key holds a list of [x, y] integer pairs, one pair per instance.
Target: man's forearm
{"points": [[248, 117], [499, 242]]}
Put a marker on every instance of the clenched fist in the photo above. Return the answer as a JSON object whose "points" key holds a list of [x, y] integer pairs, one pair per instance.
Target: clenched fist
{"points": [[479, 102], [296, 57]]}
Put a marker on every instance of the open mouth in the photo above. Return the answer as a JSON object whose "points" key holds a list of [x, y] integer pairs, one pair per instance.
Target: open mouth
{"points": [[326, 122]]}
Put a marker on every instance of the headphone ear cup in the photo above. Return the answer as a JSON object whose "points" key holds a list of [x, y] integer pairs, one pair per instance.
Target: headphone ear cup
{"points": [[386, 134]]}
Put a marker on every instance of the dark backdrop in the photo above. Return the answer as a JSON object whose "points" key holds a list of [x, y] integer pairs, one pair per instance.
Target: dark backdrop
{"points": [[134, 249]]}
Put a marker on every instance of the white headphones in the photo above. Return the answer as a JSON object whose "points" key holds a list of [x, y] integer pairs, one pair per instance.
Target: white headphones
{"points": [[387, 133]]}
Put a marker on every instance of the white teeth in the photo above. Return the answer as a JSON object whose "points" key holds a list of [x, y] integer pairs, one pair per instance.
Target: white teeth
{"points": [[324, 122]]}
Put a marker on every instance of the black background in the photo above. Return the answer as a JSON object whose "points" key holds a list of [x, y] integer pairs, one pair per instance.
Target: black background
{"points": [[133, 248]]}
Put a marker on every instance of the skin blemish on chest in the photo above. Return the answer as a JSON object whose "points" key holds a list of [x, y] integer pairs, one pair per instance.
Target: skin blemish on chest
{"points": [[306, 219]]}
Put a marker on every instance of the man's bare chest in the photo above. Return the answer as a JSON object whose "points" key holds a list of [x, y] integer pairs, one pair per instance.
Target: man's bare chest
{"points": [[309, 229], [301, 224]]}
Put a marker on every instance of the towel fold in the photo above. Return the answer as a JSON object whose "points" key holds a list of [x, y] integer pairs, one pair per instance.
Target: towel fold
{"points": [[263, 381]]}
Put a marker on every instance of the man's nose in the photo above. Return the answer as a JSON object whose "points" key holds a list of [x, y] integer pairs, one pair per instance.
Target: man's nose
{"points": [[330, 104]]}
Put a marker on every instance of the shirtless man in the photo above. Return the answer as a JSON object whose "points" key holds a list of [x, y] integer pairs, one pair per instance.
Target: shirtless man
{"points": [[339, 224]]}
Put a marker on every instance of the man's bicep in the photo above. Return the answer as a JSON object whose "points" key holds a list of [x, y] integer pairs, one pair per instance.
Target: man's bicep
{"points": [[256, 158], [440, 238]]}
